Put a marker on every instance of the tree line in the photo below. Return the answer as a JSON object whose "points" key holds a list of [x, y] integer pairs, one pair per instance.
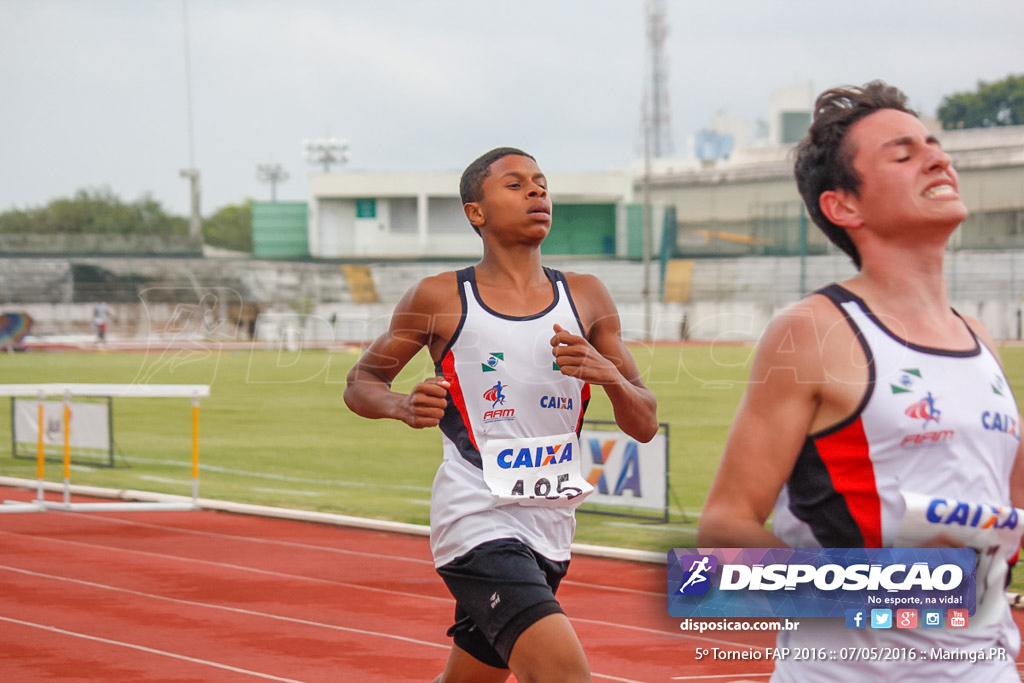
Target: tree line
{"points": [[993, 104], [101, 212]]}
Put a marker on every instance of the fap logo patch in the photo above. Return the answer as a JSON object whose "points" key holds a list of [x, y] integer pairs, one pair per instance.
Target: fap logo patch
{"points": [[696, 578]]}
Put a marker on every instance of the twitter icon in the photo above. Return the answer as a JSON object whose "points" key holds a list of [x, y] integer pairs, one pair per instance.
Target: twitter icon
{"points": [[881, 618]]}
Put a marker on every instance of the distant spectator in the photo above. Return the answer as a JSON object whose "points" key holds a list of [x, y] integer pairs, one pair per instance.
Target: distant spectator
{"points": [[99, 320]]}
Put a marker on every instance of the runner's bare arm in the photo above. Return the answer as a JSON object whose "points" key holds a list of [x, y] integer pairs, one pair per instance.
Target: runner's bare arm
{"points": [[602, 358], [414, 324], [768, 431]]}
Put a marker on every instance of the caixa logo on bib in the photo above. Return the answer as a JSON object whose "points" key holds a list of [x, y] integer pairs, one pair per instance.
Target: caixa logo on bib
{"points": [[538, 456], [816, 582]]}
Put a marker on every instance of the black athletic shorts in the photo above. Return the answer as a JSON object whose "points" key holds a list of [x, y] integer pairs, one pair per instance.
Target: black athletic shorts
{"points": [[501, 588]]}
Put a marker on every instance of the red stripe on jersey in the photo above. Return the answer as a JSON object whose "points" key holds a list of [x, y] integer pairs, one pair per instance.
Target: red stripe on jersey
{"points": [[455, 389], [846, 455], [584, 400]]}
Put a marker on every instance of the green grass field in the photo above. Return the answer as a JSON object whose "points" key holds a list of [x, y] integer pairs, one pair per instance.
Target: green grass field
{"points": [[275, 431]]}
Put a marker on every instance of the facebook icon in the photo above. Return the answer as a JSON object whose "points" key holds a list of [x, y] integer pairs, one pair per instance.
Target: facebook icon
{"points": [[856, 618]]}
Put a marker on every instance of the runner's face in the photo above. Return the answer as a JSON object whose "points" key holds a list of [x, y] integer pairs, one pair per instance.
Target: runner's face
{"points": [[515, 198], [906, 178]]}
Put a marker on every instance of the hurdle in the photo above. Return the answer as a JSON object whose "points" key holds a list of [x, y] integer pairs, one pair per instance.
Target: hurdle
{"points": [[67, 392]]}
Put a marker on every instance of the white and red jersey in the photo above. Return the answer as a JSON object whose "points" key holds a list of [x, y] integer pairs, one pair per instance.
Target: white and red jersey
{"points": [[928, 451], [511, 465]]}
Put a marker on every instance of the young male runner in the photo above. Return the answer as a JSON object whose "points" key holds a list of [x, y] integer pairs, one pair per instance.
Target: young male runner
{"points": [[516, 347], [873, 396]]}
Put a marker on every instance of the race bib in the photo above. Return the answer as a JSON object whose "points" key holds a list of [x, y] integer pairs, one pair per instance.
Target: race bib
{"points": [[539, 470], [992, 531]]}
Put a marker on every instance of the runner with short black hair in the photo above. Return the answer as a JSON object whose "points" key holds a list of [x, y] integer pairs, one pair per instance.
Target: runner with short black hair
{"points": [[505, 335]]}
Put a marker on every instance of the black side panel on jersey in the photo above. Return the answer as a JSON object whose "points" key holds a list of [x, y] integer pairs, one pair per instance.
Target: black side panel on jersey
{"points": [[813, 499], [453, 423]]}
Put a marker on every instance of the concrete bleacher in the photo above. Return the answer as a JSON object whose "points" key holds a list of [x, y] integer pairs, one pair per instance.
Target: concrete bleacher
{"points": [[731, 298], [29, 281]]}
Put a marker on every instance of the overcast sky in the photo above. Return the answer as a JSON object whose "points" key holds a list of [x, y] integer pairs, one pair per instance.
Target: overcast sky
{"points": [[93, 93]]}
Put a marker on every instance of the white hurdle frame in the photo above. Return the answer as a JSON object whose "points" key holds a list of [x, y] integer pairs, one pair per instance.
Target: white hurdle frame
{"points": [[67, 391]]}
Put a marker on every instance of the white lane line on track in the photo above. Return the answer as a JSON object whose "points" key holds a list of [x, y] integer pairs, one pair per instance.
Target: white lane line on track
{"points": [[224, 608], [204, 467], [142, 648], [729, 676], [340, 584], [235, 610], [614, 678], [248, 539], [225, 565], [328, 549], [386, 591]]}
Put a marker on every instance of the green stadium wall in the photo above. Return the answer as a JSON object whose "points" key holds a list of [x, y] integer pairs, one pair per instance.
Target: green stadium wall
{"points": [[582, 230], [280, 230]]}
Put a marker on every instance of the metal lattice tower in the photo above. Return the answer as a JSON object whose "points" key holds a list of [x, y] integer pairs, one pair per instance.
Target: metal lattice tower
{"points": [[656, 114]]}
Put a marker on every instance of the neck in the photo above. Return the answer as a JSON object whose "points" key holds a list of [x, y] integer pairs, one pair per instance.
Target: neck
{"points": [[511, 268], [914, 274]]}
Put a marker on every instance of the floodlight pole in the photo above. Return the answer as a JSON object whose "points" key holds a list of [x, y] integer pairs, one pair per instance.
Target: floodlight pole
{"points": [[326, 151], [647, 238], [273, 174], [195, 225]]}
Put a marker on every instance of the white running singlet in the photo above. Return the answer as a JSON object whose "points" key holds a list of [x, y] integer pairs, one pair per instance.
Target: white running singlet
{"points": [[511, 466], [936, 430]]}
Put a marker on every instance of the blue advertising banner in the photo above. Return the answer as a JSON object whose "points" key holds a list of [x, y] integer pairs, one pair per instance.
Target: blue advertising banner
{"points": [[817, 582]]}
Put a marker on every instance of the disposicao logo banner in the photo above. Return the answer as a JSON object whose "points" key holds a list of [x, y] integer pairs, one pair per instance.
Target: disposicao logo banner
{"points": [[817, 582]]}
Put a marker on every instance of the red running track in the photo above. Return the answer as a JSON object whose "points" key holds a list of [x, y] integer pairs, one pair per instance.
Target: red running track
{"points": [[194, 597]]}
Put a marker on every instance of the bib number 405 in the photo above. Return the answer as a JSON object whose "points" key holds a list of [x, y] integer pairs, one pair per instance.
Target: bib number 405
{"points": [[542, 488]]}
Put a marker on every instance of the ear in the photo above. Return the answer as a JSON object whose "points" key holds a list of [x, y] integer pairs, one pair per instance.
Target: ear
{"points": [[475, 214], [841, 207]]}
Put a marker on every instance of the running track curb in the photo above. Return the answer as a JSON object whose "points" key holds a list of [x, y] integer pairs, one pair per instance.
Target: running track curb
{"points": [[628, 554]]}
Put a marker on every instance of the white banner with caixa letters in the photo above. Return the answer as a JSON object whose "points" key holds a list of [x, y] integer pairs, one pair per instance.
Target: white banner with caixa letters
{"points": [[624, 472]]}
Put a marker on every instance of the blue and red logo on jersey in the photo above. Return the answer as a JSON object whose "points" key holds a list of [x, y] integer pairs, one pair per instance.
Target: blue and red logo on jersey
{"points": [[496, 395], [928, 412], [924, 410]]}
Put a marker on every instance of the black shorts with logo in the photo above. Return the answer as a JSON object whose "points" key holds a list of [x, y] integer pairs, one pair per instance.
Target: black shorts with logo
{"points": [[501, 588]]}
